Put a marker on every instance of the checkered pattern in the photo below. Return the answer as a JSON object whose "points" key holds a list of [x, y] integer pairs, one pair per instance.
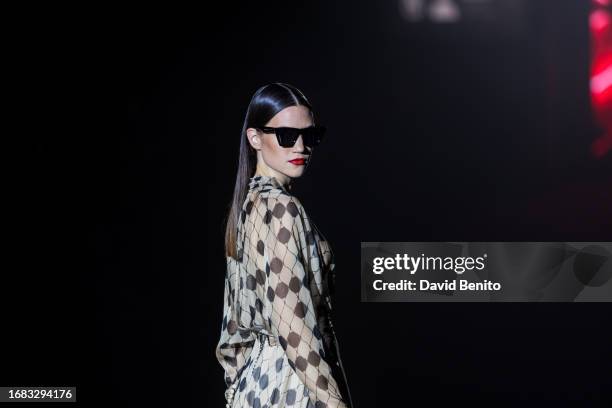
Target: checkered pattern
{"points": [[280, 287]]}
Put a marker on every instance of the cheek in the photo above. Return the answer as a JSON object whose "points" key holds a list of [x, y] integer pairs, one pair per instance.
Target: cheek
{"points": [[273, 154]]}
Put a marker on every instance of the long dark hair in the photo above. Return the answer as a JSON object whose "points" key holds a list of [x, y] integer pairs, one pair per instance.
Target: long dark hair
{"points": [[265, 103]]}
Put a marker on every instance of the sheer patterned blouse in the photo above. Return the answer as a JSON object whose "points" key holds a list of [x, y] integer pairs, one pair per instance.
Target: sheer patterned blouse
{"points": [[279, 291]]}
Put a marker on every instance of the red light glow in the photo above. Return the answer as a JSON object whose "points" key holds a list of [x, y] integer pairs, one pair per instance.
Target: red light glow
{"points": [[600, 23]]}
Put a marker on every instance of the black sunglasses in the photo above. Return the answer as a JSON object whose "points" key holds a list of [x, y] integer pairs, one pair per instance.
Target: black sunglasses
{"points": [[287, 136]]}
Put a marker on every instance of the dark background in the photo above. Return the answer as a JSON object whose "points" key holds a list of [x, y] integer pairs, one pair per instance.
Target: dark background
{"points": [[476, 131]]}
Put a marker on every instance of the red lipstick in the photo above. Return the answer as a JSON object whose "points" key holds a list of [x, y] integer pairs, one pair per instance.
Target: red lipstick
{"points": [[298, 162]]}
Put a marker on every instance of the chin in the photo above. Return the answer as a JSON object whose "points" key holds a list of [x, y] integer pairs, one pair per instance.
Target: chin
{"points": [[296, 173]]}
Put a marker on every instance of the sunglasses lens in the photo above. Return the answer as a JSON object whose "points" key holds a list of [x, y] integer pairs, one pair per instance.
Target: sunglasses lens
{"points": [[287, 136], [311, 136]]}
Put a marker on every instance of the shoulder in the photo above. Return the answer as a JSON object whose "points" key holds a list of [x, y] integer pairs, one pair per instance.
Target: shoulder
{"points": [[279, 210], [279, 203]]}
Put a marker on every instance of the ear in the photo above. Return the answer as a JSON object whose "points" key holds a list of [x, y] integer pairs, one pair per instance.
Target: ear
{"points": [[253, 138]]}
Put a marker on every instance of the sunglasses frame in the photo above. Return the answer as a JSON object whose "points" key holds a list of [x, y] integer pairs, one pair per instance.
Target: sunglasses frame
{"points": [[308, 141]]}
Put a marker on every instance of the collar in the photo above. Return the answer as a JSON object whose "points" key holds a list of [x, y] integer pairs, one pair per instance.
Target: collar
{"points": [[261, 181]]}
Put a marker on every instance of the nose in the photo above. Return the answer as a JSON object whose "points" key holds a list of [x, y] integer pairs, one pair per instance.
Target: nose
{"points": [[299, 144], [298, 147]]}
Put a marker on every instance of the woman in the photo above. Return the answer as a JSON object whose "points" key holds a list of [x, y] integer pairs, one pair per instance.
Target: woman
{"points": [[277, 345]]}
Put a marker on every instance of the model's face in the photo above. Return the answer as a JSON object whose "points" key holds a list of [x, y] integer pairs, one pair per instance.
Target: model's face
{"points": [[275, 160]]}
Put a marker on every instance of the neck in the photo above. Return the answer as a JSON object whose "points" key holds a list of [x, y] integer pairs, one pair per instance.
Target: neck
{"points": [[268, 172]]}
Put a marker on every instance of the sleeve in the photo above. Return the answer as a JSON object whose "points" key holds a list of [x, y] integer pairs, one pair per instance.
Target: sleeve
{"points": [[233, 349], [292, 312]]}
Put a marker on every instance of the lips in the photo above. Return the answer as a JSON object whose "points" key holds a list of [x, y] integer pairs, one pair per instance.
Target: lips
{"points": [[298, 162]]}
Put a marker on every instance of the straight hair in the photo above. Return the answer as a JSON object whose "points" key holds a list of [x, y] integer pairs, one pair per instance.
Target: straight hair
{"points": [[265, 103]]}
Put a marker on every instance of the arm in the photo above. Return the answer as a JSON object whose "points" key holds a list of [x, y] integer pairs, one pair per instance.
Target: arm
{"points": [[232, 349], [293, 317]]}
